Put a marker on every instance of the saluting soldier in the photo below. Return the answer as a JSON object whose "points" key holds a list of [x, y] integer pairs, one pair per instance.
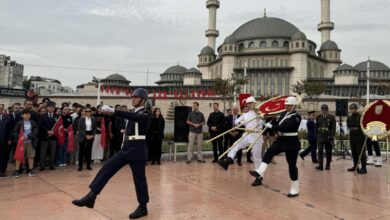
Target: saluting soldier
{"points": [[356, 139], [133, 153], [325, 130]]}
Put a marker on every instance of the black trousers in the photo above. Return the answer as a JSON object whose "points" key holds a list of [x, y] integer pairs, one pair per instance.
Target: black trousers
{"points": [[312, 149], [356, 148], [112, 166], [5, 151], [85, 150], [248, 155], [48, 147], [328, 150], [155, 148], [217, 145], [115, 145], [370, 144], [290, 146]]}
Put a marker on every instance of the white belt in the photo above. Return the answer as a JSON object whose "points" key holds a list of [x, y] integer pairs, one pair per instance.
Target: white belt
{"points": [[288, 134], [136, 137]]}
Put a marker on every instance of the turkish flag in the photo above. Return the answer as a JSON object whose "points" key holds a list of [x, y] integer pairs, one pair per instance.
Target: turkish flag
{"points": [[102, 88], [58, 130], [19, 152], [103, 134], [242, 98], [70, 138]]}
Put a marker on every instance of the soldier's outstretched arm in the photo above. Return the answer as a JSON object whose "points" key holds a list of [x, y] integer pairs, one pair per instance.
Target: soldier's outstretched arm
{"points": [[133, 116], [289, 126]]}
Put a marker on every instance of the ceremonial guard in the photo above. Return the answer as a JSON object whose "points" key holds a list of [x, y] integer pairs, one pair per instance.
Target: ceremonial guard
{"points": [[356, 139], [133, 153], [325, 130], [253, 126], [287, 127]]}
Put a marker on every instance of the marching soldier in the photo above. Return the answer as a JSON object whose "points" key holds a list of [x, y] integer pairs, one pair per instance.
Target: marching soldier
{"points": [[287, 127], [133, 153], [250, 136], [356, 139], [325, 130]]}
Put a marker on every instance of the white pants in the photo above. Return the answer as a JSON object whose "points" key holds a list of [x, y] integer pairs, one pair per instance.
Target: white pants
{"points": [[246, 142], [97, 149]]}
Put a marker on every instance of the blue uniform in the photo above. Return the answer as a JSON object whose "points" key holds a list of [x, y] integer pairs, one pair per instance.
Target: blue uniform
{"points": [[133, 152], [312, 139]]}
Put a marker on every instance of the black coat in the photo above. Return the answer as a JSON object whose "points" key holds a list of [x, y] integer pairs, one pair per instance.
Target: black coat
{"points": [[5, 131], [82, 128], [46, 124], [34, 132], [156, 129], [216, 119]]}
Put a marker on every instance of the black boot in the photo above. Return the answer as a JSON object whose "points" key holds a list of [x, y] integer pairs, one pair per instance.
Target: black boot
{"points": [[302, 156], [139, 212], [224, 163], [363, 170], [319, 167], [88, 200], [257, 182]]}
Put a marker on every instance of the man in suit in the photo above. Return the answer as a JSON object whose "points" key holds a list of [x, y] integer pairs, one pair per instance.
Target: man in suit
{"points": [[311, 138], [215, 123], [234, 135], [5, 141], [132, 153], [49, 143]]}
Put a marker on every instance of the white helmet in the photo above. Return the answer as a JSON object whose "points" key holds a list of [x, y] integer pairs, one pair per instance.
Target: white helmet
{"points": [[250, 99], [291, 100]]}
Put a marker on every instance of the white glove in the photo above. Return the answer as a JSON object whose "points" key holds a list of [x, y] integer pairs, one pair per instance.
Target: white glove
{"points": [[262, 123], [268, 125], [107, 108]]}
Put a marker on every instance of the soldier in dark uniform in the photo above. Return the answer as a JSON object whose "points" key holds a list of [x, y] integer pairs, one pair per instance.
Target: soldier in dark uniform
{"points": [[311, 138], [356, 139], [325, 130], [287, 127], [133, 153]]}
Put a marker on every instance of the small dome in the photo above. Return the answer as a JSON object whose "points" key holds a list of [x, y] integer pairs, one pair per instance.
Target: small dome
{"points": [[193, 70], [345, 67], [176, 70], [329, 45], [116, 76], [207, 50], [374, 66], [299, 36], [230, 40]]}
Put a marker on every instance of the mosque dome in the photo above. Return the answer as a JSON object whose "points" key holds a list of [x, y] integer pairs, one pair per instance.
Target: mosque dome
{"points": [[265, 27], [345, 67], [230, 40], [374, 66], [207, 50], [116, 76], [329, 45], [299, 36], [176, 70]]}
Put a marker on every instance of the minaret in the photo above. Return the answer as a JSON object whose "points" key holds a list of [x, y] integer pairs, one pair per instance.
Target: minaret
{"points": [[326, 25], [212, 33]]}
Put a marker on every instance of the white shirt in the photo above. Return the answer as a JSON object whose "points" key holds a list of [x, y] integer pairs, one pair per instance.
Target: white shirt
{"points": [[88, 124]]}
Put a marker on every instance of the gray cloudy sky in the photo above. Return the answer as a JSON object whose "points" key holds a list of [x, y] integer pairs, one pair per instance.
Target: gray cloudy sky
{"points": [[133, 35]]}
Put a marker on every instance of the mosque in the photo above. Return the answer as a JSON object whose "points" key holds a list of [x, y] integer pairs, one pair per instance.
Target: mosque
{"points": [[274, 54]]}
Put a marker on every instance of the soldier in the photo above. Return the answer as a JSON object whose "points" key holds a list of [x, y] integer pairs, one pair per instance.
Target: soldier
{"points": [[356, 139], [325, 130], [287, 127], [133, 152]]}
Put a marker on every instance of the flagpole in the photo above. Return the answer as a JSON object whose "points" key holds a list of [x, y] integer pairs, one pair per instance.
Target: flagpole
{"points": [[368, 82]]}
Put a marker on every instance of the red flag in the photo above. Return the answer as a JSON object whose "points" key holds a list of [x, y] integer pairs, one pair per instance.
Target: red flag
{"points": [[70, 138], [103, 134], [242, 98], [19, 152], [102, 88], [58, 130]]}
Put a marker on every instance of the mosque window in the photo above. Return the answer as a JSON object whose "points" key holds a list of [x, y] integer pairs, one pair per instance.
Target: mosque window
{"points": [[331, 55], [241, 47], [335, 54], [263, 44], [303, 44], [285, 44], [297, 44], [251, 45], [254, 63], [275, 43], [231, 48], [225, 48], [272, 63]]}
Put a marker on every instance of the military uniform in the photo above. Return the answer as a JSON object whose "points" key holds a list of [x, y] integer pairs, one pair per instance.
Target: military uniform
{"points": [[325, 130], [133, 153], [356, 140]]}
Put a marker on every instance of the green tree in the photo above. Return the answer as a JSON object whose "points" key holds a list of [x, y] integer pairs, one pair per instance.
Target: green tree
{"points": [[310, 90], [227, 88]]}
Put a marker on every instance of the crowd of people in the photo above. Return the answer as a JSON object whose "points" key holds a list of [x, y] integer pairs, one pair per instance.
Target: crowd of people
{"points": [[97, 136]]}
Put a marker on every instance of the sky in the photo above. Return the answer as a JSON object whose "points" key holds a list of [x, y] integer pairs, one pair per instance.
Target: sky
{"points": [[133, 37]]}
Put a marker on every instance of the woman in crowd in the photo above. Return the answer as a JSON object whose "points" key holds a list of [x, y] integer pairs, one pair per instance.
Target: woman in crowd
{"points": [[86, 132], [76, 121], [155, 136], [97, 148]]}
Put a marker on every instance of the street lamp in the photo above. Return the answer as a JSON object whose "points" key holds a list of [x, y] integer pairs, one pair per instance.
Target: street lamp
{"points": [[98, 94]]}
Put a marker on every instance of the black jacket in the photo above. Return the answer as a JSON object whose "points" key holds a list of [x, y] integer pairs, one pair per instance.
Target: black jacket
{"points": [[34, 132], [156, 129], [216, 119], [5, 131], [82, 128], [46, 124]]}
